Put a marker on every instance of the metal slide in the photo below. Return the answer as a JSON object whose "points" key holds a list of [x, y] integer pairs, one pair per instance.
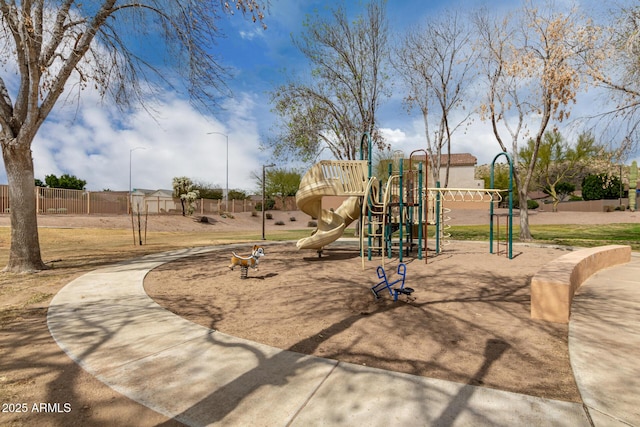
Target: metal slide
{"points": [[331, 178]]}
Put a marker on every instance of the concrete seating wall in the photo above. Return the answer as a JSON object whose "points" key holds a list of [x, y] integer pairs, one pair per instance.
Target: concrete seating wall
{"points": [[554, 285]]}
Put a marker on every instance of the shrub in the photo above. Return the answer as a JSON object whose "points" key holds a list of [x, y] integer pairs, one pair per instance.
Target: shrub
{"points": [[312, 224], [532, 204], [292, 219], [269, 203], [279, 223], [268, 215], [601, 186], [254, 213]]}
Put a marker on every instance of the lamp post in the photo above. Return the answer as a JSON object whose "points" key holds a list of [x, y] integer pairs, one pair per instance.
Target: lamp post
{"points": [[130, 195], [263, 201], [226, 194]]}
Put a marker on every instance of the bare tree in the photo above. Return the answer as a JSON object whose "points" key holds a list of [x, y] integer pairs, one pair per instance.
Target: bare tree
{"points": [[533, 69], [341, 99], [615, 67], [54, 43], [437, 63]]}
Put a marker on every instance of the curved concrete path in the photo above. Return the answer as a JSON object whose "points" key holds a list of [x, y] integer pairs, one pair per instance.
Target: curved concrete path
{"points": [[604, 344], [105, 322]]}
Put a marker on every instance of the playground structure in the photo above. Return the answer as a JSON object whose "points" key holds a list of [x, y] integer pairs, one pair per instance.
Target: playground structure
{"points": [[395, 210]]}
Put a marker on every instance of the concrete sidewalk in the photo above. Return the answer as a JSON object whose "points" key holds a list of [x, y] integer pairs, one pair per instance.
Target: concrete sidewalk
{"points": [[604, 344], [105, 322]]}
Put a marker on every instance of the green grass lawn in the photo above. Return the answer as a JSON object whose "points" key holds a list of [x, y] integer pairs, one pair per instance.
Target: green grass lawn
{"points": [[569, 235]]}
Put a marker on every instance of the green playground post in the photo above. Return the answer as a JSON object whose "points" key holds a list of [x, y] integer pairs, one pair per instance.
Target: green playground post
{"points": [[437, 214], [420, 206], [510, 218], [400, 210]]}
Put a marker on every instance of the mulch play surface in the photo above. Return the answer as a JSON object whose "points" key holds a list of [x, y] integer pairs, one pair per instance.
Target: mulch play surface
{"points": [[470, 320]]}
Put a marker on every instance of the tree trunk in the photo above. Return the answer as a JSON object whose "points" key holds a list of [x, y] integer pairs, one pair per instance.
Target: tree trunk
{"points": [[525, 233], [24, 254]]}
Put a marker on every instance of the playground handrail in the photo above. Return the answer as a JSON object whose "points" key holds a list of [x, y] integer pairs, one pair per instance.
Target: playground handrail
{"points": [[379, 208], [349, 176]]}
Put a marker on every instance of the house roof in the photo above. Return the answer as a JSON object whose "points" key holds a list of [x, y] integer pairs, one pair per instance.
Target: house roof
{"points": [[457, 159], [153, 193], [144, 191], [162, 193]]}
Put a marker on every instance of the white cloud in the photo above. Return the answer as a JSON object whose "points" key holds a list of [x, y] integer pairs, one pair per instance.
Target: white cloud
{"points": [[252, 34], [93, 141], [176, 143]]}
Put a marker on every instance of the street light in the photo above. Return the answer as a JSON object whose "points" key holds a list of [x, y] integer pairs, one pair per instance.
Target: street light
{"points": [[263, 201], [226, 194], [130, 195]]}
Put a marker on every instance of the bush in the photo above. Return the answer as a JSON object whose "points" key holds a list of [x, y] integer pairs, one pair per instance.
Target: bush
{"points": [[269, 203], [312, 224], [254, 213], [268, 215], [601, 186], [532, 204], [279, 223], [292, 219]]}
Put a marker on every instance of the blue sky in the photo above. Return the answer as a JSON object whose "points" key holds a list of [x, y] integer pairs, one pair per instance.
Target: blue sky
{"points": [[95, 142]]}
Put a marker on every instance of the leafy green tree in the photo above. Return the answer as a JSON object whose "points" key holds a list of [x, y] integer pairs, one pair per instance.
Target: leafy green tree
{"points": [[281, 183], [558, 161], [563, 189], [184, 190], [208, 191], [268, 202], [500, 175], [70, 182], [39, 183], [237, 195], [600, 186]]}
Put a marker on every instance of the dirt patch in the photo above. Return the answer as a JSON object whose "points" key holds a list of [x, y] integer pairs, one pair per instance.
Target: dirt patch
{"points": [[324, 308], [469, 323]]}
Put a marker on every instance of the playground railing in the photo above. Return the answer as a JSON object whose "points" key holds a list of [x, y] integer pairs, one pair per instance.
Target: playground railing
{"points": [[350, 176]]}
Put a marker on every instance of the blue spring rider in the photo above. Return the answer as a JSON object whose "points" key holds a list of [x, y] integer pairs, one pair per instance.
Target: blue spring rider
{"points": [[384, 283]]}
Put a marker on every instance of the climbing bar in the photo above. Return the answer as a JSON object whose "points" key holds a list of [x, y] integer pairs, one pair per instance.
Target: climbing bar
{"points": [[466, 194]]}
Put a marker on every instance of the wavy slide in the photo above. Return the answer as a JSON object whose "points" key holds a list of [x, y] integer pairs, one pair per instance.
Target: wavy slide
{"points": [[331, 225]]}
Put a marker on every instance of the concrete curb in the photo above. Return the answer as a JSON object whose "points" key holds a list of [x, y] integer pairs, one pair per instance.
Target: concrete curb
{"points": [[105, 322]]}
